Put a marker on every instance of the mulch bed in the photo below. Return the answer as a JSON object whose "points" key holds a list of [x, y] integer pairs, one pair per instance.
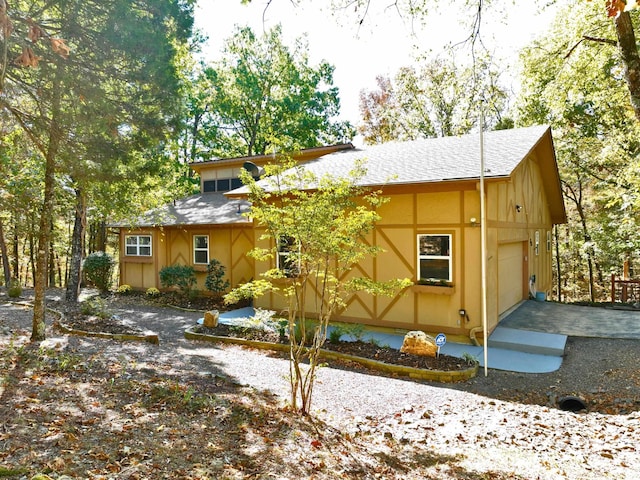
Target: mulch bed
{"points": [[356, 348], [96, 324]]}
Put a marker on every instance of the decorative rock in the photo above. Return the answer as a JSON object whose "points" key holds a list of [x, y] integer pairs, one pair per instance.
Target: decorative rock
{"points": [[211, 318], [419, 343]]}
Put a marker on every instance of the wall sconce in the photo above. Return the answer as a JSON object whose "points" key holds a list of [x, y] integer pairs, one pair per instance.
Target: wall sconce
{"points": [[474, 221], [518, 208]]}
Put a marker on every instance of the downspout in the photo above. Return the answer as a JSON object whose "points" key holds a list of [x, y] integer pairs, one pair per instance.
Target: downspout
{"points": [[472, 335]]}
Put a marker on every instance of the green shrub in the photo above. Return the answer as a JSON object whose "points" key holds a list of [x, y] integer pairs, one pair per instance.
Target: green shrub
{"points": [[153, 292], [215, 281], [15, 289], [95, 306], [181, 276], [124, 289], [98, 269], [354, 330]]}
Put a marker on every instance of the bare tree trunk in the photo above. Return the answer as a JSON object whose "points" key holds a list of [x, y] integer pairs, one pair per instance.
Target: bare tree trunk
{"points": [[558, 270], [46, 214], [5, 257], [629, 52], [16, 252], [77, 247], [52, 256]]}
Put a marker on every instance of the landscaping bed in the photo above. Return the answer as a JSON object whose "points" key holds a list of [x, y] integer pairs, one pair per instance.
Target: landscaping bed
{"points": [[370, 355]]}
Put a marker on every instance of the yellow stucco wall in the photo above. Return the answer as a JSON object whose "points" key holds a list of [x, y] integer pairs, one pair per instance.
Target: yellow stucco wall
{"points": [[449, 209], [174, 246], [516, 209]]}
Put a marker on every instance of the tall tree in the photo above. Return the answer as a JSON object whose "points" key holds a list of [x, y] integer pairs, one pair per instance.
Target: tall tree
{"points": [[578, 87], [120, 65], [438, 98], [262, 97]]}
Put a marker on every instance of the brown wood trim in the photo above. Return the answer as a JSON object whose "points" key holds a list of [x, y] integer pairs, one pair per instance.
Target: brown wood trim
{"points": [[136, 259], [434, 289]]}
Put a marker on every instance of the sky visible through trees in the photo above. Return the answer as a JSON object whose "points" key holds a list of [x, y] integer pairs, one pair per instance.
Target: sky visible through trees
{"points": [[383, 43]]}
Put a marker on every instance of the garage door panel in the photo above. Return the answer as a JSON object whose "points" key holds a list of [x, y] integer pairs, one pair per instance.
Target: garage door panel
{"points": [[510, 265]]}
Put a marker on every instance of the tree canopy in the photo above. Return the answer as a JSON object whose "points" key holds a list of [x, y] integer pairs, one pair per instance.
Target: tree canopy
{"points": [[106, 87], [433, 99], [260, 97], [577, 86]]}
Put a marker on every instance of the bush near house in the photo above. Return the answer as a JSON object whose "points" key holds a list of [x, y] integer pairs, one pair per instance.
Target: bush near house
{"points": [[181, 276], [215, 281], [98, 270]]}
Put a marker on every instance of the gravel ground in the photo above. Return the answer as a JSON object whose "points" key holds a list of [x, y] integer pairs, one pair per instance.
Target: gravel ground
{"points": [[473, 419]]}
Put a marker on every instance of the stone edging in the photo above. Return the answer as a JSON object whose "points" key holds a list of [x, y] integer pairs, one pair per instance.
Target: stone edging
{"points": [[411, 372], [149, 337]]}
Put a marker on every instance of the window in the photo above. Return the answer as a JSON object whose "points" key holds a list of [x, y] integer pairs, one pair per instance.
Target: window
{"points": [[537, 242], [287, 260], [434, 257], [137, 245], [201, 249]]}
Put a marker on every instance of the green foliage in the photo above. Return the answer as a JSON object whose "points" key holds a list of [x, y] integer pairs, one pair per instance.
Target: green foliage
{"points": [[181, 276], [263, 96], [354, 330], [470, 359], [95, 306], [15, 289], [215, 281], [152, 292], [580, 93], [435, 98], [98, 269], [328, 219]]}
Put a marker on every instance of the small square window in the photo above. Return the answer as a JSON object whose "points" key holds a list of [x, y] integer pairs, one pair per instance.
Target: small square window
{"points": [[137, 245]]}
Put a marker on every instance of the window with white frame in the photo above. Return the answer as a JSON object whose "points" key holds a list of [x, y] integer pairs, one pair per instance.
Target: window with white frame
{"points": [[137, 245], [537, 242], [288, 259], [434, 257], [201, 249]]}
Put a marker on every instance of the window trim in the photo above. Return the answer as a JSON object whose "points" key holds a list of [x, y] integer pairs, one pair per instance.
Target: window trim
{"points": [[200, 249], [282, 254], [137, 246], [448, 257]]}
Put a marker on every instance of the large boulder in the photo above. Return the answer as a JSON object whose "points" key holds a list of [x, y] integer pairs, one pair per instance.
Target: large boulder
{"points": [[419, 343], [211, 318]]}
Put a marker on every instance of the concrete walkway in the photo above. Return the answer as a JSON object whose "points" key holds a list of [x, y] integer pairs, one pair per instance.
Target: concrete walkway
{"points": [[529, 339], [575, 321]]}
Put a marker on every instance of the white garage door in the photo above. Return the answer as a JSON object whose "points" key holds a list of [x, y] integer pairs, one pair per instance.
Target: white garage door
{"points": [[510, 264]]}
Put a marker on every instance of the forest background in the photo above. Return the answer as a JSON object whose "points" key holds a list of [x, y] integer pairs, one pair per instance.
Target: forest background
{"points": [[102, 108]]}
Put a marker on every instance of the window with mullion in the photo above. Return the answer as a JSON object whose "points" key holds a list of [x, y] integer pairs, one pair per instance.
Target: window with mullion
{"points": [[137, 245], [434, 257], [201, 249], [288, 258]]}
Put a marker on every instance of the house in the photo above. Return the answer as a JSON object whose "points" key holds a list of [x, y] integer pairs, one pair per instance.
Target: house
{"points": [[430, 228]]}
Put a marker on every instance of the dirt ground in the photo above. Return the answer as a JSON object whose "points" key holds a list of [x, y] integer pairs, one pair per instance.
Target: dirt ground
{"points": [[95, 408]]}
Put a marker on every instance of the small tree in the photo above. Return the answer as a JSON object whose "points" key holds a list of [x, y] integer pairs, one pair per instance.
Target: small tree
{"points": [[98, 269], [215, 281], [327, 219]]}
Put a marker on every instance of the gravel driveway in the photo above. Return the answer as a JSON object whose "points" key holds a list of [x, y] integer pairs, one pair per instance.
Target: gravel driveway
{"points": [[470, 418]]}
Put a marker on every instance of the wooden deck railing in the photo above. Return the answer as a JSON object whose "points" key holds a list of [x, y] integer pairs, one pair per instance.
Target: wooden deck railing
{"points": [[624, 291]]}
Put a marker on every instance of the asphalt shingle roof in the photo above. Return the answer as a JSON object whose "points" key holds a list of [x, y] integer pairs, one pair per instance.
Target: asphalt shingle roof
{"points": [[201, 209], [435, 159]]}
